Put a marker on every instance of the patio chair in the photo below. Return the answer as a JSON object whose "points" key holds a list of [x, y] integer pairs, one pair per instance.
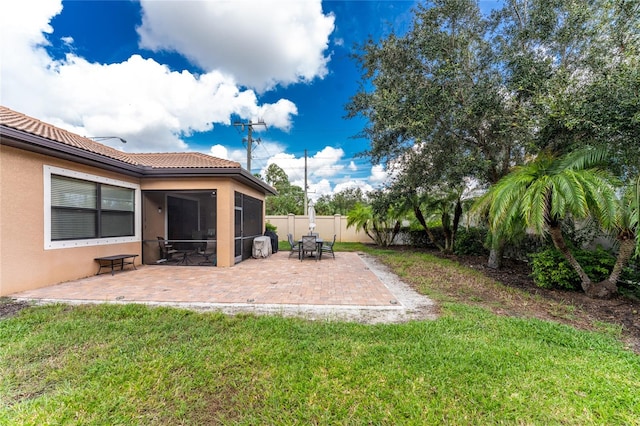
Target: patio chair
{"points": [[209, 251], [295, 246], [328, 247], [166, 250], [309, 245]]}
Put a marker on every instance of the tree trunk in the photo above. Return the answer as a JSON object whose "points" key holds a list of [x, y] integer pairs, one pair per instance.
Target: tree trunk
{"points": [[448, 242], [377, 235], [457, 214], [366, 231], [607, 288], [559, 243], [423, 222], [446, 229], [602, 290], [396, 231], [627, 247], [495, 255]]}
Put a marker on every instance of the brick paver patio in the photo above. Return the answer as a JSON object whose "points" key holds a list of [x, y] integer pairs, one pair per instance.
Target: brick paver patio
{"points": [[343, 282]]}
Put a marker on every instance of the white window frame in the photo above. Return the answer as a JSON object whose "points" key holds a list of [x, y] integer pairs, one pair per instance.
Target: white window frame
{"points": [[52, 245]]}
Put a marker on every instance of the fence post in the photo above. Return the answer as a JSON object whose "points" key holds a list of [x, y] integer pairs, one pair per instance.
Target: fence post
{"points": [[291, 224], [337, 226]]}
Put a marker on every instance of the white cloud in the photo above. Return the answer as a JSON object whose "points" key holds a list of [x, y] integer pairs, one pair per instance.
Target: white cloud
{"points": [[378, 174], [278, 114], [219, 151], [262, 43], [25, 22], [319, 188], [357, 183], [324, 171], [325, 164], [139, 99], [293, 166]]}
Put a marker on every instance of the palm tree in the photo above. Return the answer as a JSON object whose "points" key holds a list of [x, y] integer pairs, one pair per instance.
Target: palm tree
{"points": [[381, 228], [540, 194], [625, 228], [446, 207], [408, 202]]}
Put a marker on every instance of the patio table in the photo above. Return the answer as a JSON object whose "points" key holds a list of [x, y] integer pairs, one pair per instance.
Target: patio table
{"points": [[112, 261], [184, 256]]}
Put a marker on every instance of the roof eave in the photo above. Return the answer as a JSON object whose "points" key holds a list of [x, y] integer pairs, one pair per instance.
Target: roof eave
{"points": [[237, 173], [40, 145]]}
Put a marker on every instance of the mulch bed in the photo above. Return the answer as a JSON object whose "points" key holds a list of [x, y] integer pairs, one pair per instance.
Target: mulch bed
{"points": [[9, 307], [619, 310]]}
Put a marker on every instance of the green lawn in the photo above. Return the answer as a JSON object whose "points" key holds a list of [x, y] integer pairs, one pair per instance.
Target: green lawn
{"points": [[130, 364]]}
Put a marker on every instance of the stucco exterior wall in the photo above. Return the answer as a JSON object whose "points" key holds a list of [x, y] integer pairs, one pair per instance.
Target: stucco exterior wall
{"points": [[226, 215], [153, 225], [24, 262]]}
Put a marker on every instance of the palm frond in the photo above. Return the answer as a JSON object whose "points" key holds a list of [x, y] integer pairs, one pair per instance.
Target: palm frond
{"points": [[536, 206], [583, 159], [571, 194]]}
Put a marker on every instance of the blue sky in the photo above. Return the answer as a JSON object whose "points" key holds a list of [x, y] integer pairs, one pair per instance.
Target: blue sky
{"points": [[171, 76]]}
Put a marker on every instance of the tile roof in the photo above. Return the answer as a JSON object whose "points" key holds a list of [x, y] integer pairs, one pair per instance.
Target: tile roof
{"points": [[24, 123], [168, 160]]}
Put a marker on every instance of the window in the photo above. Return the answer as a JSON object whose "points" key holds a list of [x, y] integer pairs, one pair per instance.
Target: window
{"points": [[73, 208], [117, 211], [83, 209]]}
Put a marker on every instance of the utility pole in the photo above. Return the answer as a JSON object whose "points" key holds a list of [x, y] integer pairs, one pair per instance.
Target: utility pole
{"points": [[306, 207], [249, 139]]}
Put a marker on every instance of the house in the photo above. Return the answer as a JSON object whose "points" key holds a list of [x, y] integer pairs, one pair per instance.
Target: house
{"points": [[66, 199]]}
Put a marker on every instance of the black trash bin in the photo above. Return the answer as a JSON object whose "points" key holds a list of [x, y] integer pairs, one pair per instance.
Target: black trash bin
{"points": [[274, 240]]}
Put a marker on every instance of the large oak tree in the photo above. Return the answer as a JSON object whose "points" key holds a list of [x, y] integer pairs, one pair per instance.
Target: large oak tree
{"points": [[464, 95]]}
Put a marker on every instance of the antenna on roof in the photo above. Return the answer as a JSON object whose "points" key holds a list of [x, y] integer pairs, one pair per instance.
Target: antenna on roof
{"points": [[104, 138]]}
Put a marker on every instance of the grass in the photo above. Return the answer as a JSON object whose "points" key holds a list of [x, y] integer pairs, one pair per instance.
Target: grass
{"points": [[131, 364]]}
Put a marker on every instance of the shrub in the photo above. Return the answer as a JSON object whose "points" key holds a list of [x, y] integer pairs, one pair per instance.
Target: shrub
{"points": [[629, 283], [418, 237], [632, 271], [551, 270], [597, 263], [471, 242], [468, 241], [524, 246], [270, 227]]}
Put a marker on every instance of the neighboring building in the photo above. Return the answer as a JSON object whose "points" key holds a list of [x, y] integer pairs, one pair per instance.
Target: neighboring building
{"points": [[66, 199]]}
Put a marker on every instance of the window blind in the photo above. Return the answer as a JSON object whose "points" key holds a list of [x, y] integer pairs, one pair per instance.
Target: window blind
{"points": [[83, 209]]}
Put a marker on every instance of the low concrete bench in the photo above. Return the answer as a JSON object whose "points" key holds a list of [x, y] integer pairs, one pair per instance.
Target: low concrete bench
{"points": [[116, 260]]}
